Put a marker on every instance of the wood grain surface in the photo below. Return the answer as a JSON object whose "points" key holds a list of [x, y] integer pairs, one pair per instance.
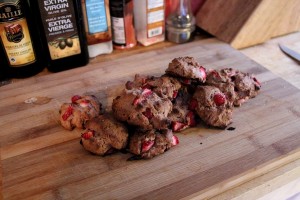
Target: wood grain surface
{"points": [[41, 160]]}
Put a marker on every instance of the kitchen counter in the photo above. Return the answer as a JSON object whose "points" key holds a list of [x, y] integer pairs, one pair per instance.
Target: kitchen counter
{"points": [[281, 180]]}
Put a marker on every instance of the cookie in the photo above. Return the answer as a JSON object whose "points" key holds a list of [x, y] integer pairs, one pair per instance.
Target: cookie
{"points": [[187, 68], [212, 106], [103, 135], [82, 109], [164, 86], [236, 85], [246, 86], [221, 80], [142, 108], [148, 144]]}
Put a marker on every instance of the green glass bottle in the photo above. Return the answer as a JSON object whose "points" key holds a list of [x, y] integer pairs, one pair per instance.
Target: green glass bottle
{"points": [[62, 33], [20, 46]]}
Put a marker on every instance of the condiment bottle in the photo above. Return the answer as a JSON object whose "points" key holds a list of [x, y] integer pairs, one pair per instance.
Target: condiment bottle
{"points": [[121, 12], [150, 21], [180, 23], [20, 48], [97, 26], [62, 32]]}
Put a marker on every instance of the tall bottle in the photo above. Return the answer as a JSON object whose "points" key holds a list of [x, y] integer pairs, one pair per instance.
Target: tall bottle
{"points": [[19, 40], [97, 26], [150, 23], [62, 32], [3, 69], [122, 24]]}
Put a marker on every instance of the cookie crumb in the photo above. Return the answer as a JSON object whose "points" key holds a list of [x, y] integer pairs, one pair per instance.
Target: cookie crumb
{"points": [[231, 128]]}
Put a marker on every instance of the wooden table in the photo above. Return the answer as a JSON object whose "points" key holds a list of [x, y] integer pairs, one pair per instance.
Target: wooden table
{"points": [[269, 56]]}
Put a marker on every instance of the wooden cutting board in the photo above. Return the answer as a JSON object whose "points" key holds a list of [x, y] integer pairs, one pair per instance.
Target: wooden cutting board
{"points": [[41, 160]]}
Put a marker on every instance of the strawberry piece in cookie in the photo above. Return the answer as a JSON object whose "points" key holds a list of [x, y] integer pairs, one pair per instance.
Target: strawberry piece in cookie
{"points": [[81, 109]]}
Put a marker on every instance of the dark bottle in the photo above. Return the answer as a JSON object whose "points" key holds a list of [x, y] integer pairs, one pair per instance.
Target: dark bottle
{"points": [[20, 48], [62, 33], [3, 69], [121, 12]]}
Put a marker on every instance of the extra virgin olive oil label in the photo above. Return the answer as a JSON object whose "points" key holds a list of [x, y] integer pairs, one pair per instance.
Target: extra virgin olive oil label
{"points": [[59, 23], [14, 33]]}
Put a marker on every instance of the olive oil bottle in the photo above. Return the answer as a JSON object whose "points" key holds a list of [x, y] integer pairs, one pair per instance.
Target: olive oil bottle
{"points": [[62, 33], [20, 47]]}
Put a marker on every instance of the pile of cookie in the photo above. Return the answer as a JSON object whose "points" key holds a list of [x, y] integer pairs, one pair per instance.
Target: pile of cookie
{"points": [[151, 109]]}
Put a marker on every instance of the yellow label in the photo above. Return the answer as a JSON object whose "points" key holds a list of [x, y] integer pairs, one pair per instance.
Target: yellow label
{"points": [[17, 43]]}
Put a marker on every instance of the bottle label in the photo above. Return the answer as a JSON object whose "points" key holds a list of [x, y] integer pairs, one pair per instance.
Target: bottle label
{"points": [[155, 17], [15, 35], [118, 30], [96, 16], [60, 28]]}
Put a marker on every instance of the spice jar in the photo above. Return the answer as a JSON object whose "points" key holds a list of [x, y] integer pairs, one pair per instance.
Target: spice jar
{"points": [[121, 12], [150, 21], [180, 24]]}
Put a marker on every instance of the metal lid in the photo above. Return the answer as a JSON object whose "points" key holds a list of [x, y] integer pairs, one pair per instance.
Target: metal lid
{"points": [[181, 21]]}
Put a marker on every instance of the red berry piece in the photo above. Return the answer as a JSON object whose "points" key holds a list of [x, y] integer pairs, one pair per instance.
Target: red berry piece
{"points": [[147, 145], [84, 103], [193, 104], [87, 135], [148, 113], [219, 99], [136, 101], [175, 140], [190, 118], [215, 74], [177, 126], [203, 73], [146, 92], [68, 113], [75, 98], [175, 93]]}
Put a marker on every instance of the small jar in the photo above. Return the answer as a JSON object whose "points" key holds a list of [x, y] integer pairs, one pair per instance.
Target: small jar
{"points": [[180, 25]]}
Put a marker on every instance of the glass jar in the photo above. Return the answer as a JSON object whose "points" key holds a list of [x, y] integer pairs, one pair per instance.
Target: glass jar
{"points": [[180, 24]]}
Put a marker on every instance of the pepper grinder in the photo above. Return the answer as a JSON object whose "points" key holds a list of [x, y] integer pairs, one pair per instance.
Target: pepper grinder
{"points": [[180, 24]]}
